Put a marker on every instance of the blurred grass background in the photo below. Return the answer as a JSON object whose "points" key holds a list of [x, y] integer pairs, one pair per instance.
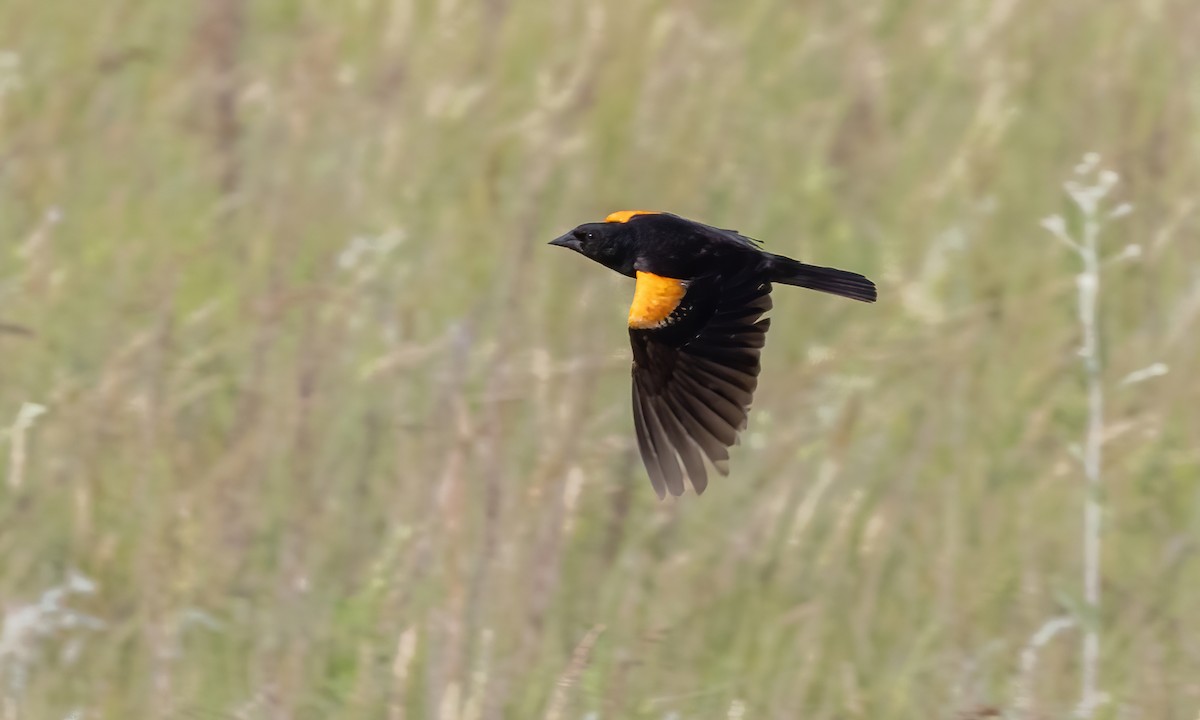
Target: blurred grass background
{"points": [[335, 436]]}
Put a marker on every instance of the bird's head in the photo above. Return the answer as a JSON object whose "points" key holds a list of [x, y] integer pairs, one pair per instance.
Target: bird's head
{"points": [[610, 243]]}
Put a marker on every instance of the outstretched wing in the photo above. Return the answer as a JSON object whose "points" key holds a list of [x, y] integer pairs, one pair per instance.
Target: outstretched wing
{"points": [[695, 369]]}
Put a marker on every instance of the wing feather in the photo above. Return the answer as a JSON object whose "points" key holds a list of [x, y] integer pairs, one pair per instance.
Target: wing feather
{"points": [[694, 380]]}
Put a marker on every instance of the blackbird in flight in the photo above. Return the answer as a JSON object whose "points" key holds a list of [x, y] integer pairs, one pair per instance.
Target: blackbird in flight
{"points": [[697, 329]]}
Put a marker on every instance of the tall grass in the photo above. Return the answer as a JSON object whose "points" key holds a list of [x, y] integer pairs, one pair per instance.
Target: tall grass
{"points": [[1089, 192], [334, 436]]}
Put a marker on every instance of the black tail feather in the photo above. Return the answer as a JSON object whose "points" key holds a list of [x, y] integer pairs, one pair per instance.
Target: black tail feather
{"points": [[831, 280]]}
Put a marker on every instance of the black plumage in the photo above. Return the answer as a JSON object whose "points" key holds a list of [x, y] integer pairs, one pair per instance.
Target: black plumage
{"points": [[697, 331]]}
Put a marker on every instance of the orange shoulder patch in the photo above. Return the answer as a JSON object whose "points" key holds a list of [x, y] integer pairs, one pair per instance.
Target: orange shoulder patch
{"points": [[654, 299], [621, 216]]}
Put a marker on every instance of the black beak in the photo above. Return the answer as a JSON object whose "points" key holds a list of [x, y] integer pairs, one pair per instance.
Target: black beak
{"points": [[568, 241]]}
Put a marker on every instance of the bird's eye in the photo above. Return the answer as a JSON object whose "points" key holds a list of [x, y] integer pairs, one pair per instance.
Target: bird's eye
{"points": [[585, 235]]}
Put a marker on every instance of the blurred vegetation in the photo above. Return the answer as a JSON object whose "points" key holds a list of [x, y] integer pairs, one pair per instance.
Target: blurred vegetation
{"points": [[334, 435]]}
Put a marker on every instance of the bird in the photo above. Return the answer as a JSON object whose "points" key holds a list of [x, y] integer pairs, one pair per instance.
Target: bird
{"points": [[697, 329]]}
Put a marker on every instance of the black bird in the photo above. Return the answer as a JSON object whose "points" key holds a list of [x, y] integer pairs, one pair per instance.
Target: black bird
{"points": [[697, 329]]}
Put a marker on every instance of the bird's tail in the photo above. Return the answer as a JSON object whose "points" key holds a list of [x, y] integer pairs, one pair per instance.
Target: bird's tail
{"points": [[831, 280]]}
